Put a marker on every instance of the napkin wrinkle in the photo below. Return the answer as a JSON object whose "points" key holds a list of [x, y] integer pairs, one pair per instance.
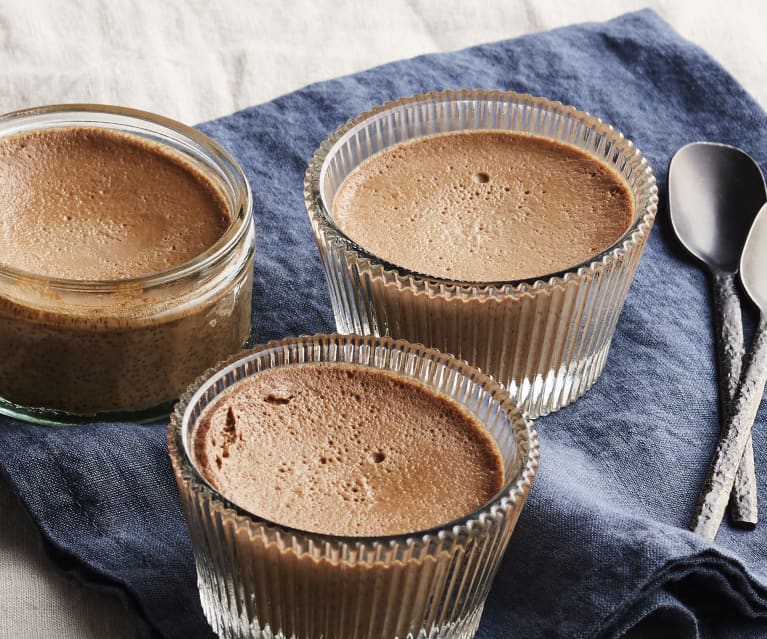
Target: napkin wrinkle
{"points": [[661, 616], [745, 592], [76, 569], [709, 588]]}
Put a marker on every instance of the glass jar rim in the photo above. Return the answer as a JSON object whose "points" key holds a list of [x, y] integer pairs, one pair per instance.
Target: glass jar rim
{"points": [[134, 122], [636, 232], [514, 488]]}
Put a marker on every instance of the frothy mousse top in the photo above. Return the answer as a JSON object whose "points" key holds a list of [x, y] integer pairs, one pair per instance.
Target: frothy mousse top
{"points": [[483, 206], [84, 203], [342, 450]]}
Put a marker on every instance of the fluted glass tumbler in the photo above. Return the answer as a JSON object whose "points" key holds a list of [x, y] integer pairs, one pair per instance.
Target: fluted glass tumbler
{"points": [[546, 339], [258, 579]]}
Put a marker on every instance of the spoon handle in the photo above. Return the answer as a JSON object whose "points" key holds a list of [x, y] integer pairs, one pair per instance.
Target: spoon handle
{"points": [[729, 338], [721, 475]]}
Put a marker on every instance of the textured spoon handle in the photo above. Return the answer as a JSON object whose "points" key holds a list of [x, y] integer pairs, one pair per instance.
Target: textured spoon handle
{"points": [[737, 430], [729, 338]]}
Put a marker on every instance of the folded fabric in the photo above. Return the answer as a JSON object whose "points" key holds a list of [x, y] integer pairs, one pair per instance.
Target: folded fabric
{"points": [[602, 544]]}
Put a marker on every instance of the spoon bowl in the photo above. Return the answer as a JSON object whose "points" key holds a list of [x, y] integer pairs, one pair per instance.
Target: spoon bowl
{"points": [[753, 264], [715, 191]]}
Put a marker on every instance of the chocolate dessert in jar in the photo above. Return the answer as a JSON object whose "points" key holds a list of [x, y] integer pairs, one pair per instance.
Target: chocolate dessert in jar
{"points": [[345, 486], [126, 256], [502, 228]]}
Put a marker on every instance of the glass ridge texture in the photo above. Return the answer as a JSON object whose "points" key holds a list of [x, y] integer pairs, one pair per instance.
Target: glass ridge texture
{"points": [[261, 580], [74, 350], [546, 339]]}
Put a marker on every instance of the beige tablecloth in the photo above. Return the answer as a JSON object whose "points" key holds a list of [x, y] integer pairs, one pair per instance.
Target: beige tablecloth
{"points": [[199, 60]]}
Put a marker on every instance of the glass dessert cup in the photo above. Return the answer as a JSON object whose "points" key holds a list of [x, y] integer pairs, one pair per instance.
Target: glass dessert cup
{"points": [[546, 339], [76, 351], [260, 579]]}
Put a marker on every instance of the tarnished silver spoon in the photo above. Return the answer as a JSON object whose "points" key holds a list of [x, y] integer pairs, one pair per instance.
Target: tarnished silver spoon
{"points": [[715, 192], [737, 430]]}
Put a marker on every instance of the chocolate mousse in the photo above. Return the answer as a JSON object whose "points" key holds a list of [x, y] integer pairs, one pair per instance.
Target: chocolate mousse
{"points": [[483, 206], [341, 487], [93, 222], [511, 247], [95, 204], [343, 450]]}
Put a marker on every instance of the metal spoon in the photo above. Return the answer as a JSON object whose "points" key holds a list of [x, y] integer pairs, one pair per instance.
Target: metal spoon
{"points": [[714, 193], [737, 430]]}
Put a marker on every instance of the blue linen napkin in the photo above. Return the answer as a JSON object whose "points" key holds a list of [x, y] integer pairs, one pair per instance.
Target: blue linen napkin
{"points": [[602, 544]]}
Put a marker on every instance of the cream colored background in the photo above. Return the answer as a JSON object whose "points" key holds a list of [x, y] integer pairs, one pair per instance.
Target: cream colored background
{"points": [[199, 60]]}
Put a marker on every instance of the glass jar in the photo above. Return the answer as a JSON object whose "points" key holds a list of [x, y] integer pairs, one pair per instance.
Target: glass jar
{"points": [[73, 350], [260, 579], [546, 338]]}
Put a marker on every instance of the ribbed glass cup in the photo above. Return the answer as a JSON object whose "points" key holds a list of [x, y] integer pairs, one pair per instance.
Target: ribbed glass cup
{"points": [[546, 339], [261, 580]]}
